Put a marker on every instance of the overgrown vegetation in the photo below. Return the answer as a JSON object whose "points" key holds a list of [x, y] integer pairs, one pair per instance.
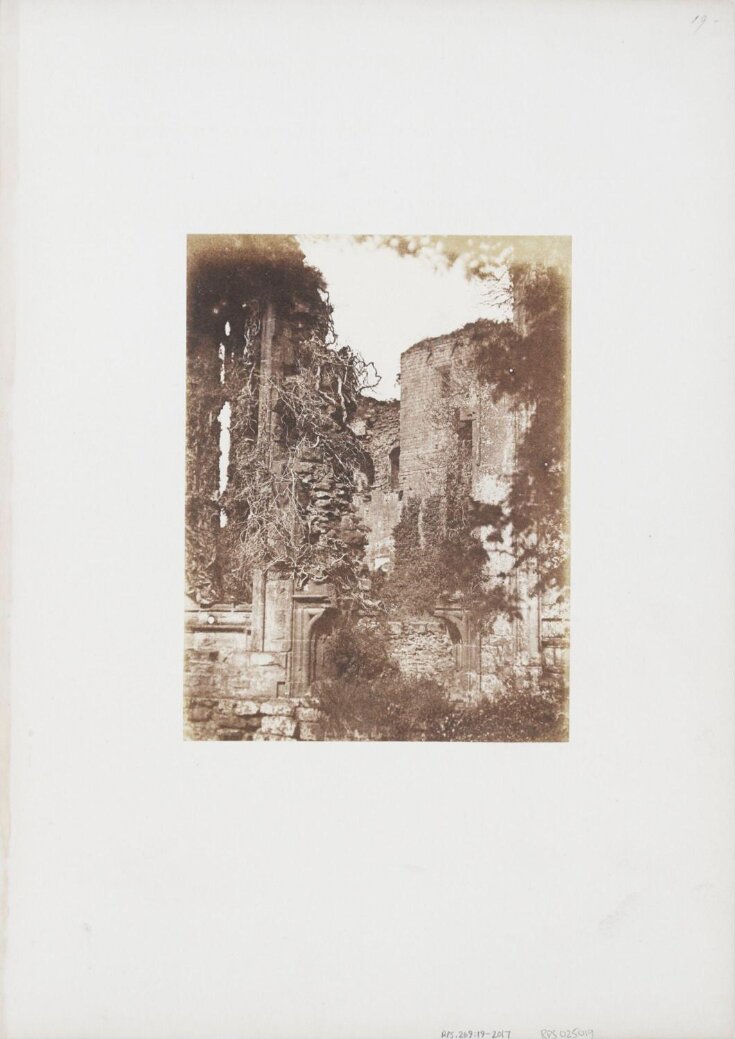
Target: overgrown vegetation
{"points": [[290, 496], [525, 361], [287, 499], [364, 695], [528, 361], [440, 558]]}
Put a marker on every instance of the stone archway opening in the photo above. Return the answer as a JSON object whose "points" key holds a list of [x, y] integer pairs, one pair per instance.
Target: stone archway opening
{"points": [[466, 642], [456, 636], [319, 633]]}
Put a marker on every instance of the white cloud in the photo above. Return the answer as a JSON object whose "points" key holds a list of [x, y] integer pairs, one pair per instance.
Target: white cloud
{"points": [[383, 303]]}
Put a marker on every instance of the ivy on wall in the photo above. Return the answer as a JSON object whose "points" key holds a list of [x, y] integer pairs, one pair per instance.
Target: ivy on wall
{"points": [[529, 362], [287, 499], [441, 541]]}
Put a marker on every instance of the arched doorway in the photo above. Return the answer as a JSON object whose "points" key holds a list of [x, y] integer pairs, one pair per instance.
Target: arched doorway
{"points": [[319, 632], [466, 641], [456, 637]]}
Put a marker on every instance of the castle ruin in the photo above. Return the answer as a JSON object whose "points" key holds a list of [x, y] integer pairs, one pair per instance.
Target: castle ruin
{"points": [[250, 665]]}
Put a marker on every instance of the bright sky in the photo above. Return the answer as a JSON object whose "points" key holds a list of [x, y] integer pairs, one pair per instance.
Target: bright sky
{"points": [[383, 303]]}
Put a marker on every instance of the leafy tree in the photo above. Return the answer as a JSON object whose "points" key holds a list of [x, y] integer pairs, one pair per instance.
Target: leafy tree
{"points": [[526, 360], [529, 362]]}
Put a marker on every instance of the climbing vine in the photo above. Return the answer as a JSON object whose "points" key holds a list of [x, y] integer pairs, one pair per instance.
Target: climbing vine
{"points": [[287, 499], [528, 363], [441, 559], [287, 496], [291, 497], [442, 541]]}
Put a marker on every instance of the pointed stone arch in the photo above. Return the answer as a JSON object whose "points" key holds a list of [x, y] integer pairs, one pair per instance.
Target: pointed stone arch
{"points": [[466, 640], [319, 631], [310, 604]]}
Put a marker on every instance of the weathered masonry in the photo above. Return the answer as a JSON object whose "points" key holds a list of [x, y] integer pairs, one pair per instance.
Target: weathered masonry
{"points": [[255, 647], [268, 651], [248, 669], [249, 665], [447, 423]]}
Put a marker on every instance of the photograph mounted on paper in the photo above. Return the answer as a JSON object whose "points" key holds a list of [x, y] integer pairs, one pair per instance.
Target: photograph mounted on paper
{"points": [[377, 488]]}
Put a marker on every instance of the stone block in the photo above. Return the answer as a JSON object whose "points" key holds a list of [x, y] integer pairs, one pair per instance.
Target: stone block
{"points": [[261, 659], [229, 734], [200, 714], [309, 731], [244, 707], [283, 707], [249, 723], [272, 737], [200, 711], [278, 726], [307, 714], [202, 688], [260, 686]]}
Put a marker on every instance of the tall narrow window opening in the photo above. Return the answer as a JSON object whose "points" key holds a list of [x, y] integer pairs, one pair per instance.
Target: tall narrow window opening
{"points": [[395, 463]]}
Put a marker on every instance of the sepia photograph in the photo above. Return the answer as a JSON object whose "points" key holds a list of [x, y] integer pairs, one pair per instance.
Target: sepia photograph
{"points": [[367, 384], [377, 488]]}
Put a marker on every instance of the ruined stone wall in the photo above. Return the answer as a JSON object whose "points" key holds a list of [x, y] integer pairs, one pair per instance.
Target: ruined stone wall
{"points": [[379, 502], [443, 401], [252, 304], [421, 648], [214, 662], [219, 659], [450, 424], [236, 689], [235, 718], [555, 635], [501, 662], [426, 420]]}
